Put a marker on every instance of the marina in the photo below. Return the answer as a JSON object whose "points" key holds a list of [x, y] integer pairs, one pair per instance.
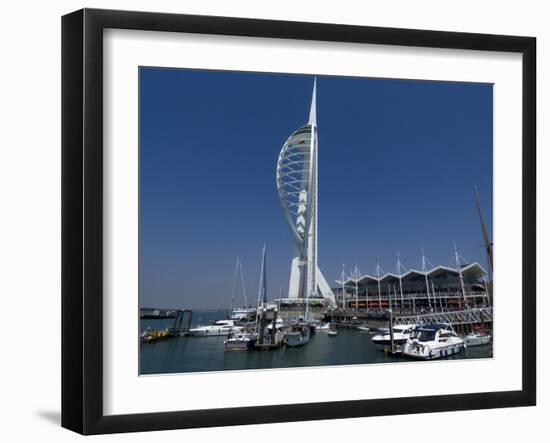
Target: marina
{"points": [[349, 346], [382, 328], [424, 312]]}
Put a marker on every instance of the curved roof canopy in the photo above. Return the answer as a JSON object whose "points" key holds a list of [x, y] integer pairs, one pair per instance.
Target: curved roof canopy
{"points": [[473, 271]]}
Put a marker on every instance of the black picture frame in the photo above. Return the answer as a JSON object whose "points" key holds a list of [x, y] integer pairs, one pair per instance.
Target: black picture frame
{"points": [[82, 218]]}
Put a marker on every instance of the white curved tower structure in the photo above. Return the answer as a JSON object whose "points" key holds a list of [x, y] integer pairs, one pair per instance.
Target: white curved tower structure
{"points": [[297, 188]]}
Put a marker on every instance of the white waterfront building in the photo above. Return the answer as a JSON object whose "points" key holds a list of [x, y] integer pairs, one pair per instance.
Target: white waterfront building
{"points": [[439, 288]]}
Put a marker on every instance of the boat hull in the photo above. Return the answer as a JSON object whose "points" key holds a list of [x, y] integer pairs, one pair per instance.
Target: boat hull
{"points": [[238, 345], [421, 352], [385, 345], [294, 341], [322, 327], [270, 341], [477, 340], [298, 338], [213, 332]]}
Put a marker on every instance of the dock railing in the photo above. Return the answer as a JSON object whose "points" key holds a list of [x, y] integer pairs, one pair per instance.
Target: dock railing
{"points": [[463, 317]]}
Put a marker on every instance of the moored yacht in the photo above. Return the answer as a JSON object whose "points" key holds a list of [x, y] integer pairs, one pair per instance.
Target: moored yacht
{"points": [[243, 315], [320, 326], [219, 328], [429, 342], [298, 334], [274, 335], [356, 323], [241, 341], [477, 339], [400, 336]]}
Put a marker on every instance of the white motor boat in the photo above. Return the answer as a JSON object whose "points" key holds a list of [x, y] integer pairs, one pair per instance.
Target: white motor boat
{"points": [[273, 337], [279, 324], [241, 341], [356, 323], [243, 315], [332, 331], [379, 331], [320, 326], [219, 328], [433, 341], [477, 339], [401, 334]]}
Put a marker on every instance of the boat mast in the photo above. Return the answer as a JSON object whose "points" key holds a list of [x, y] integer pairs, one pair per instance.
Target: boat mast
{"points": [[400, 279], [262, 291], [343, 287], [485, 232], [425, 271], [356, 272], [242, 283], [438, 296], [378, 278], [234, 285]]}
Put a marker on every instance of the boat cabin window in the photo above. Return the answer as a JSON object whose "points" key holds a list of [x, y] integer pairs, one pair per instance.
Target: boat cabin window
{"points": [[425, 335]]}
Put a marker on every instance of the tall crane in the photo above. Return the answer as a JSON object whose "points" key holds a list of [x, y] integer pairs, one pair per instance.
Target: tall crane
{"points": [[485, 232]]}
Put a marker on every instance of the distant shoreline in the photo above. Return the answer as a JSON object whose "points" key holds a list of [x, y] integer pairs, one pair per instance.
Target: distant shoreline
{"points": [[167, 313]]}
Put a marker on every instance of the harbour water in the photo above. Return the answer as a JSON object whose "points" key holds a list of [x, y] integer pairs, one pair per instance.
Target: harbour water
{"points": [[203, 354]]}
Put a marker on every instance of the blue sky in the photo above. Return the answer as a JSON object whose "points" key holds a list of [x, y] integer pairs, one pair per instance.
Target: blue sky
{"points": [[397, 163]]}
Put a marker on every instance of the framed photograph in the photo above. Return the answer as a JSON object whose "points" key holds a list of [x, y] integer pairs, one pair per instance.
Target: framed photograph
{"points": [[269, 221]]}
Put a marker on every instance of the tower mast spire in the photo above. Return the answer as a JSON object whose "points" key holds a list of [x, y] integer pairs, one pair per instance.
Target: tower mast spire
{"points": [[297, 174], [312, 215], [313, 109]]}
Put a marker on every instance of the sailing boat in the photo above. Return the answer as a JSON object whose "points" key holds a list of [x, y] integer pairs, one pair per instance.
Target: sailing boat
{"points": [[299, 333], [269, 327], [242, 314], [244, 338]]}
